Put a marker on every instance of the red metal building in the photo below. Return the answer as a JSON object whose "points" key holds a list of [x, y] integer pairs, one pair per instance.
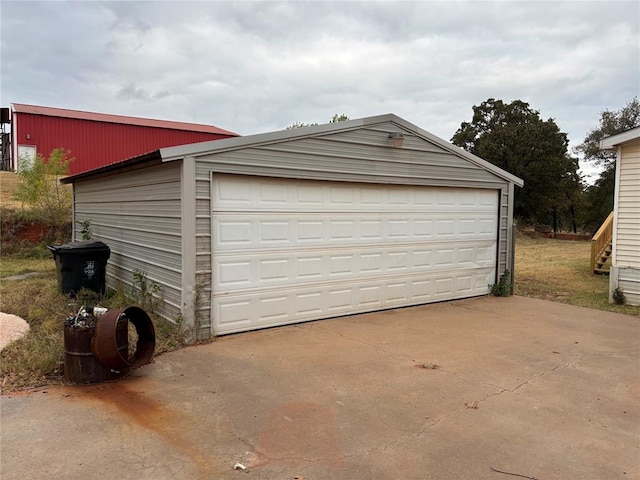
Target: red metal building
{"points": [[97, 139]]}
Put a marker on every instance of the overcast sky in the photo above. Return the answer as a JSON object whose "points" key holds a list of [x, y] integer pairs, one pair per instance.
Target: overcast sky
{"points": [[253, 67]]}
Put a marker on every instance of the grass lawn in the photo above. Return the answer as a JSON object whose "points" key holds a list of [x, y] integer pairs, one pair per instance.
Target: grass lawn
{"points": [[16, 266], [558, 270], [8, 183]]}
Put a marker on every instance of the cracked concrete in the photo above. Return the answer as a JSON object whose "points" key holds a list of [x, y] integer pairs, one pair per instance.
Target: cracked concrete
{"points": [[556, 389]]}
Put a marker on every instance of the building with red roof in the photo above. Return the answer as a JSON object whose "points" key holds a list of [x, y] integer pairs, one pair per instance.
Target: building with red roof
{"points": [[96, 139]]}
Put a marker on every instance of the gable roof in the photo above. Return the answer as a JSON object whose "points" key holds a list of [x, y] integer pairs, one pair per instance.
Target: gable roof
{"points": [[217, 146], [612, 142], [122, 119]]}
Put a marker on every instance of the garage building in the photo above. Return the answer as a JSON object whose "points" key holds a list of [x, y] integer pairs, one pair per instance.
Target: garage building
{"points": [[304, 224]]}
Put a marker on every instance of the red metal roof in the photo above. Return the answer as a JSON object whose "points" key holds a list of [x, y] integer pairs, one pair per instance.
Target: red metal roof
{"points": [[121, 119]]}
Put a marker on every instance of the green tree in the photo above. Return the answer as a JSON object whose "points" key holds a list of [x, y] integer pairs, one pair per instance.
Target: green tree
{"points": [[599, 196], [513, 137], [339, 118], [39, 187], [336, 118]]}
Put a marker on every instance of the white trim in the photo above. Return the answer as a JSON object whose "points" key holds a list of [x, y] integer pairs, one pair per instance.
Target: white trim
{"points": [[613, 270], [616, 202], [14, 138], [613, 281], [610, 143]]}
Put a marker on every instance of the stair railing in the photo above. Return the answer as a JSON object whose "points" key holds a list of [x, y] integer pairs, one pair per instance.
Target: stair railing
{"points": [[601, 239]]}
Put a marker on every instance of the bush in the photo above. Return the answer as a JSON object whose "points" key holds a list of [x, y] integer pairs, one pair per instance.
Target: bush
{"points": [[503, 287], [39, 188]]}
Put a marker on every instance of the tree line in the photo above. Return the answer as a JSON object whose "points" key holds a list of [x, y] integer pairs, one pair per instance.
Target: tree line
{"points": [[515, 138]]}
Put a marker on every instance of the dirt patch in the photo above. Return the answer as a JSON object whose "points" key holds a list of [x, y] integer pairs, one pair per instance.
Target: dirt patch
{"points": [[17, 230]]}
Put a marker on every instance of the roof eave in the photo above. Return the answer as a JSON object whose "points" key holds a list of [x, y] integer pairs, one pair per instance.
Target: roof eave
{"points": [[612, 142], [146, 158], [216, 146]]}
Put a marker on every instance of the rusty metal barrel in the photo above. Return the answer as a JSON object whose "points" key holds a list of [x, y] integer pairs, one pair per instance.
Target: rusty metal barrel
{"points": [[96, 343], [80, 364], [105, 345]]}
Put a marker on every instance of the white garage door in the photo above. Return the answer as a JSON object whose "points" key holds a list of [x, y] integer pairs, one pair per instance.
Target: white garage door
{"points": [[287, 250]]}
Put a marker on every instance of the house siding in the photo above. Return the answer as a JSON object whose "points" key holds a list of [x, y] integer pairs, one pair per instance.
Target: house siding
{"points": [[628, 226], [138, 215], [625, 272], [362, 155]]}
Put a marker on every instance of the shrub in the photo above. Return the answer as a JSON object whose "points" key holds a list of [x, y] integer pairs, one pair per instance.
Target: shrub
{"points": [[39, 188], [618, 297], [503, 287]]}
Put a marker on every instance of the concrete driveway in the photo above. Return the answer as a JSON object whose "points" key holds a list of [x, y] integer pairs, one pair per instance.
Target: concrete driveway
{"points": [[527, 387]]}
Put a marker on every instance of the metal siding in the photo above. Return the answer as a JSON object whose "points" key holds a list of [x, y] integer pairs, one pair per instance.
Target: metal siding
{"points": [[367, 142], [203, 247], [504, 244], [95, 144], [355, 156], [628, 218], [138, 215], [258, 162]]}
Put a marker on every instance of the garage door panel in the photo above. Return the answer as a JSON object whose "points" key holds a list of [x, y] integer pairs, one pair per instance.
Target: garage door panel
{"points": [[287, 230], [288, 250], [253, 269], [248, 311], [237, 192]]}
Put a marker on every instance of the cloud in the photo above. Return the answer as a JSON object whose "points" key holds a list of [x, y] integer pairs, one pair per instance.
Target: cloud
{"points": [[257, 66]]}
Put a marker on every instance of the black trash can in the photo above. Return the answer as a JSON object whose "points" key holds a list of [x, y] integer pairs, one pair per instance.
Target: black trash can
{"points": [[81, 265]]}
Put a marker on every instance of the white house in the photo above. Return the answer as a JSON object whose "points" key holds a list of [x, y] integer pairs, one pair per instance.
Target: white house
{"points": [[625, 265]]}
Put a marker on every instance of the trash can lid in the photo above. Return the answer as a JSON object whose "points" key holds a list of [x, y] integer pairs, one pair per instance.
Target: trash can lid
{"points": [[83, 245]]}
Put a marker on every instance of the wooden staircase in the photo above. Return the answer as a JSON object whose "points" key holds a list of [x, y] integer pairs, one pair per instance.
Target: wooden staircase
{"points": [[602, 246]]}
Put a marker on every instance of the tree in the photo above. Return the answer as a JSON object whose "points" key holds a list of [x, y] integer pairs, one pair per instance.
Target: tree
{"points": [[335, 119], [39, 187], [339, 118], [611, 123], [599, 197], [513, 137]]}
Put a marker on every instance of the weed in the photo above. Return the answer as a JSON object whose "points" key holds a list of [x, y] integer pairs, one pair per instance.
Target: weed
{"points": [[503, 287], [169, 335], [85, 226], [472, 405], [201, 285], [146, 292], [618, 297]]}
